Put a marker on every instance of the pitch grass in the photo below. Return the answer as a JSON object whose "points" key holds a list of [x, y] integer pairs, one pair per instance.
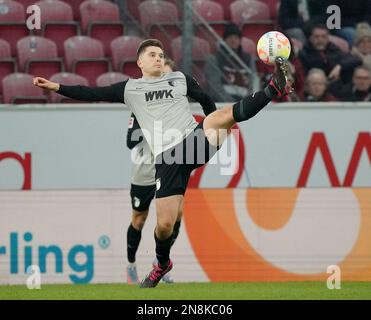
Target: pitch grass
{"points": [[193, 291]]}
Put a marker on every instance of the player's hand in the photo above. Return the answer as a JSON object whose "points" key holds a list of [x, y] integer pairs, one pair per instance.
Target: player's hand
{"points": [[45, 84]]}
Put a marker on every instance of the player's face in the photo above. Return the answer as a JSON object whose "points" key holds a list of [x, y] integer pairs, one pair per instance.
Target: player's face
{"points": [[319, 39], [151, 61], [362, 80]]}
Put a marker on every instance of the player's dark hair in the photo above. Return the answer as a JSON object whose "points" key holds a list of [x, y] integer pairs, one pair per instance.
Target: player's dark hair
{"points": [[149, 43]]}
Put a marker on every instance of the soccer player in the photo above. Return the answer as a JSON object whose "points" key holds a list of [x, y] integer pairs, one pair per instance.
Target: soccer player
{"points": [[159, 102], [142, 190]]}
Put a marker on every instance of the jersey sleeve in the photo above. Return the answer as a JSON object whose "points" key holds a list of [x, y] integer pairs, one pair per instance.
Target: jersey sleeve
{"points": [[112, 93], [133, 137], [195, 92]]}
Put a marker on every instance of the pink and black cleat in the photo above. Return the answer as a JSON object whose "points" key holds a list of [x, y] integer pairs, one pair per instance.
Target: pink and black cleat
{"points": [[155, 276], [282, 78]]}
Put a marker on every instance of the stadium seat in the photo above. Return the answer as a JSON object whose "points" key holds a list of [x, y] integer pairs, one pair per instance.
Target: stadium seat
{"points": [[200, 49], [132, 8], [226, 4], [253, 17], [38, 56], [18, 88], [57, 22], [7, 63], [100, 19], [209, 10], [27, 3], [213, 13], [249, 46], [66, 78], [159, 19], [75, 4], [106, 79], [273, 8], [12, 23], [85, 56], [124, 55], [339, 42]]}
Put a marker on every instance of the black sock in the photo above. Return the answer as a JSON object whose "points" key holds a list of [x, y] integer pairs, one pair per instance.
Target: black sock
{"points": [[252, 104], [163, 251], [133, 239], [176, 231]]}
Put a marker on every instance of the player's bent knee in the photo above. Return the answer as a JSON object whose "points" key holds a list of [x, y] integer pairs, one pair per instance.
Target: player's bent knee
{"points": [[139, 219], [165, 227]]}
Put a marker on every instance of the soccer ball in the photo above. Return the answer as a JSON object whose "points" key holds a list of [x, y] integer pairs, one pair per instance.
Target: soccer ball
{"points": [[271, 45]]}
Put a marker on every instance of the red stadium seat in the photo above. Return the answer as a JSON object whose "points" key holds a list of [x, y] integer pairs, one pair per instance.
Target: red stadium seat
{"points": [[160, 19], [18, 88], [213, 13], [249, 46], [106, 79], [75, 4], [200, 49], [273, 7], [226, 4], [209, 10], [85, 56], [12, 23], [100, 19], [7, 63], [27, 3], [66, 78], [57, 22], [38, 56], [124, 55], [253, 17], [132, 8], [339, 42]]}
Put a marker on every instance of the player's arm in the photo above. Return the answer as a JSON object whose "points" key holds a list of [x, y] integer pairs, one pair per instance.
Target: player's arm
{"points": [[113, 93], [195, 92], [133, 136]]}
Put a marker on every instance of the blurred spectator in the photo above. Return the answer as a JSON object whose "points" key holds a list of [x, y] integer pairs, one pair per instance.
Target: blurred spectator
{"points": [[226, 80], [317, 10], [352, 13], [320, 53], [169, 65], [290, 20], [294, 14], [359, 89], [362, 43], [316, 87]]}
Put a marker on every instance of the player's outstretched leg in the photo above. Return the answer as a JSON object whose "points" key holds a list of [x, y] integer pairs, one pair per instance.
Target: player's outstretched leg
{"points": [[225, 118], [279, 85]]}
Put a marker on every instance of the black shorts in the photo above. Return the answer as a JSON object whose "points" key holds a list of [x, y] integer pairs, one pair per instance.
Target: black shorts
{"points": [[174, 166], [141, 196]]}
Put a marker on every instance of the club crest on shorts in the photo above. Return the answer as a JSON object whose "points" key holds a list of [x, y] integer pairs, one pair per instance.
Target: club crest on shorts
{"points": [[136, 202], [158, 184]]}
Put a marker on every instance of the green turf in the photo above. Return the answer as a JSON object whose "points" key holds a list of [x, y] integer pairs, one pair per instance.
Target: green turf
{"points": [[196, 291]]}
